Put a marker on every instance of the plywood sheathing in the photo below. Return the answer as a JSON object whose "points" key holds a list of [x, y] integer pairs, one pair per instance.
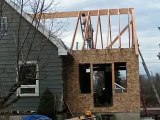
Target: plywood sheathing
{"points": [[122, 102]]}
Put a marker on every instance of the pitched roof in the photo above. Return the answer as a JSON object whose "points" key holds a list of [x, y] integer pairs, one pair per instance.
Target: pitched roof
{"points": [[62, 48]]}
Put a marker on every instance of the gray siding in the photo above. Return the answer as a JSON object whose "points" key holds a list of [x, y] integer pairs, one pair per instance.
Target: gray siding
{"points": [[50, 64]]}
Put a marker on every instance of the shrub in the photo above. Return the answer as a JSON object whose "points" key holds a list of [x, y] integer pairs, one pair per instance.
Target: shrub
{"points": [[47, 104]]}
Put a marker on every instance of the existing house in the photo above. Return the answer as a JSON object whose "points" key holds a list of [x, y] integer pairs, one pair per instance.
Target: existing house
{"points": [[38, 55]]}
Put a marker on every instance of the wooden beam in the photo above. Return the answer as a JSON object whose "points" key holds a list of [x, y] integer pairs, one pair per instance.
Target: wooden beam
{"points": [[135, 39], [129, 31], [92, 13], [86, 30], [100, 27], [74, 36], [113, 78], [97, 31], [108, 32], [118, 35], [91, 76]]}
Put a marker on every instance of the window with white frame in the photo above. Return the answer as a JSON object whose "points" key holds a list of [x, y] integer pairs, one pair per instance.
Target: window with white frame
{"points": [[4, 25], [28, 76]]}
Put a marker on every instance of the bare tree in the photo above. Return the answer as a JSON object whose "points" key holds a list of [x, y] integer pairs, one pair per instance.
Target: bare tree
{"points": [[22, 52]]}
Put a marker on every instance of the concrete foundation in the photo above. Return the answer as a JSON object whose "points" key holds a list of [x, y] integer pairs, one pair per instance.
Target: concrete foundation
{"points": [[127, 116]]}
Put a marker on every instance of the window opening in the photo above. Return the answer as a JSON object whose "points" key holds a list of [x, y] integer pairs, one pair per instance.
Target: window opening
{"points": [[120, 77], [84, 78], [28, 75]]}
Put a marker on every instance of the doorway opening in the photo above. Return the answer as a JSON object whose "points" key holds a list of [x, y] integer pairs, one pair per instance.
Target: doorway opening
{"points": [[102, 77]]}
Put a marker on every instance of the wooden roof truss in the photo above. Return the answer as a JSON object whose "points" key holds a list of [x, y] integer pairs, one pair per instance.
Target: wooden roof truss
{"points": [[130, 27]]}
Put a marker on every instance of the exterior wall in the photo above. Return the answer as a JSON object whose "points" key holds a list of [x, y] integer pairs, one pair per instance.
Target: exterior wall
{"points": [[122, 102], [42, 50]]}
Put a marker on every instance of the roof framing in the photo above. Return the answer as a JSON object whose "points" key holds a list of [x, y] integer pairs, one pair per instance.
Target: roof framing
{"points": [[92, 13], [131, 25]]}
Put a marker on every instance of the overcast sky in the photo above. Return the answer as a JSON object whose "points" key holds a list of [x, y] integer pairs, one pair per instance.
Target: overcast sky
{"points": [[147, 19]]}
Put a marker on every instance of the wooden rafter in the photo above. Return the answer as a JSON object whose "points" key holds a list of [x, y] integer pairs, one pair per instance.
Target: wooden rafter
{"points": [[110, 29], [100, 27], [75, 31], [118, 35], [135, 40], [108, 32], [92, 13], [129, 31], [86, 29], [119, 23], [108, 12], [97, 31]]}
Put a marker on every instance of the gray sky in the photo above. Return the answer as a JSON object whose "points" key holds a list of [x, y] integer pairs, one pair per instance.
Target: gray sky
{"points": [[147, 19]]}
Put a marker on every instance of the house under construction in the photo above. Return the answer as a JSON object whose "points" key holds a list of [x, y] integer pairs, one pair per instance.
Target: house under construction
{"points": [[99, 72], [104, 74]]}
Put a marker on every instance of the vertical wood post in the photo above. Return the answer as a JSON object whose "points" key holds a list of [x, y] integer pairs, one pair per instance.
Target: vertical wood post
{"points": [[119, 23], [113, 78], [86, 30], [97, 31], [108, 30], [135, 40], [101, 31], [91, 75], [129, 33], [75, 31]]}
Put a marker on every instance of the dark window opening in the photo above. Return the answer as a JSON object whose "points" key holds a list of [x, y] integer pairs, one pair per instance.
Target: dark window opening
{"points": [[28, 74], [102, 76], [84, 78], [120, 77]]}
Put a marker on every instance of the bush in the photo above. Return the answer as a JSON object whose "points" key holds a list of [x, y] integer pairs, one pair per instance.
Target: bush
{"points": [[47, 104]]}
